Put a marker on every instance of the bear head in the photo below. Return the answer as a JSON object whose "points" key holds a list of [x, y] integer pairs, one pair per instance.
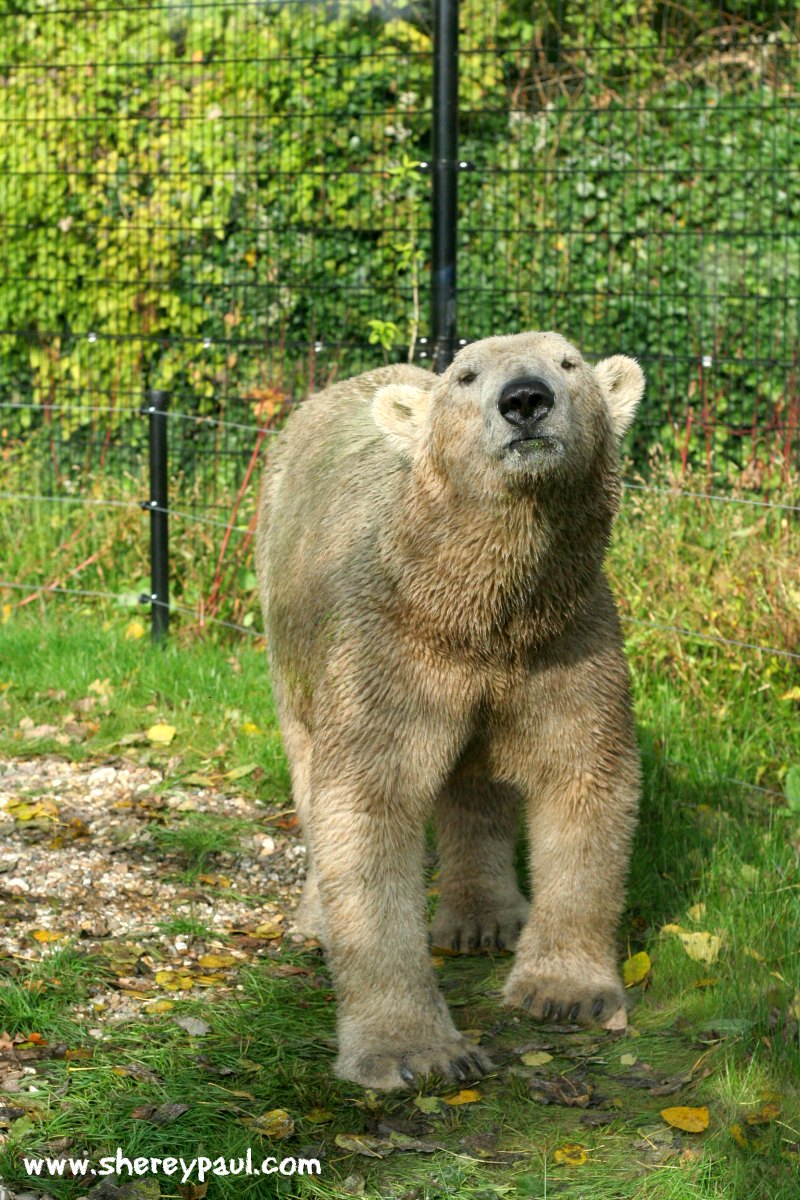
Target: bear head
{"points": [[514, 412]]}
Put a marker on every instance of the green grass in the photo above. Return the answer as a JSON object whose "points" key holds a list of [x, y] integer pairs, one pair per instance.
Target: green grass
{"points": [[708, 714]]}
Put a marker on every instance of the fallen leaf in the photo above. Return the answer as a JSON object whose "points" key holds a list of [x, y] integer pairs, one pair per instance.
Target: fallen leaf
{"points": [[628, 1060], [748, 1137], [636, 969], [361, 1143], [32, 810], [319, 1116], [192, 1191], [691, 1120], [165, 1114], [270, 931], [32, 732], [215, 961], [792, 694], [536, 1058], [706, 982], [101, 687], [618, 1021], [561, 1089], [161, 734], [174, 981], [47, 935], [133, 631], [275, 1124], [428, 1104], [762, 1115], [571, 1155], [700, 946], [159, 1006], [240, 772], [465, 1096], [250, 728], [697, 911], [193, 1026]]}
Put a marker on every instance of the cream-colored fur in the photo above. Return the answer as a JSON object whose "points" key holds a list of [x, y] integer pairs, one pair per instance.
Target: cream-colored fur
{"points": [[442, 638]]}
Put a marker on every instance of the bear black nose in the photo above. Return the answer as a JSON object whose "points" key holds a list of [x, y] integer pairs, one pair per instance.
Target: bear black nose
{"points": [[525, 402]]}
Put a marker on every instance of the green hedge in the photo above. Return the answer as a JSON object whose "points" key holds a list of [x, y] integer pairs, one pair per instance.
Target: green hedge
{"points": [[244, 177]]}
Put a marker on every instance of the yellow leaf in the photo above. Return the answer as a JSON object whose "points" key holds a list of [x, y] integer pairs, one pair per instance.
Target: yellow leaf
{"points": [[47, 935], [465, 1096], [691, 1120], [536, 1058], [159, 1006], [174, 981], [160, 734], [216, 960], [571, 1155], [32, 810], [101, 687], [699, 946], [134, 631], [275, 1124], [319, 1116], [792, 694], [250, 728], [208, 980], [736, 1133], [751, 953], [706, 982], [6, 613], [220, 881], [763, 1115], [697, 911], [636, 969], [269, 930]]}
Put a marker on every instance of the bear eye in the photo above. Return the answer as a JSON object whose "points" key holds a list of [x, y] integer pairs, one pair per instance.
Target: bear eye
{"points": [[467, 378], [568, 365]]}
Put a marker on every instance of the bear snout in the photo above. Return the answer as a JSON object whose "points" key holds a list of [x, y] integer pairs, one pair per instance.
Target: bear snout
{"points": [[525, 402]]}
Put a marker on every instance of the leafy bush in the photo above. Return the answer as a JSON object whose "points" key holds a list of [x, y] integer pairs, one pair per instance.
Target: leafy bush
{"points": [[224, 200]]}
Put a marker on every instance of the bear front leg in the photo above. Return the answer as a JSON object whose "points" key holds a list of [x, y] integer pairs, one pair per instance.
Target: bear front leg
{"points": [[394, 1026], [579, 770], [480, 904], [566, 967]]}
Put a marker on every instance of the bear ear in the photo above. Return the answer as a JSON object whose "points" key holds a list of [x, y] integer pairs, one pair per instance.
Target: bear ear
{"points": [[399, 409], [622, 381]]}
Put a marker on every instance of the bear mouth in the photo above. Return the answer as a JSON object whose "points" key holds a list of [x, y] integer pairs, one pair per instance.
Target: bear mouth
{"points": [[535, 439]]}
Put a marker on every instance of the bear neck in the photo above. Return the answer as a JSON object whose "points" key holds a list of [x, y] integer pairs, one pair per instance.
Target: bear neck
{"points": [[504, 574]]}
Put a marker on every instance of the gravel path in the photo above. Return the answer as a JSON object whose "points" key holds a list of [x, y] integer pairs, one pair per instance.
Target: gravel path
{"points": [[80, 857]]}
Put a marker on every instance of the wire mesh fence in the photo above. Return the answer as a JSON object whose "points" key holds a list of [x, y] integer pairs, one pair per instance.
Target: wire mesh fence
{"points": [[230, 201]]}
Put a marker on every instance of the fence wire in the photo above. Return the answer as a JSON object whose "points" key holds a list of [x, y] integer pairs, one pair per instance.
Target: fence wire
{"points": [[228, 202]]}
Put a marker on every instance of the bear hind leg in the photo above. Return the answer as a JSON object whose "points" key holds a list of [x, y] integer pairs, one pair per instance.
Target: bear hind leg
{"points": [[308, 917], [481, 906]]}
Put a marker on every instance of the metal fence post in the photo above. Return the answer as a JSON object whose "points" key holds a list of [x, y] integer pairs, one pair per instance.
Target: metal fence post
{"points": [[159, 517], [445, 182]]}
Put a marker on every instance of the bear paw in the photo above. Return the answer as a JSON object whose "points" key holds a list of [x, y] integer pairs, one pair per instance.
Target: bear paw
{"points": [[587, 1000], [391, 1065], [494, 926]]}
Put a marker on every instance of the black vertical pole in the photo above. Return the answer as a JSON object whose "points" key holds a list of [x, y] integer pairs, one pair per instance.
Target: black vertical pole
{"points": [[445, 177], [159, 519]]}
